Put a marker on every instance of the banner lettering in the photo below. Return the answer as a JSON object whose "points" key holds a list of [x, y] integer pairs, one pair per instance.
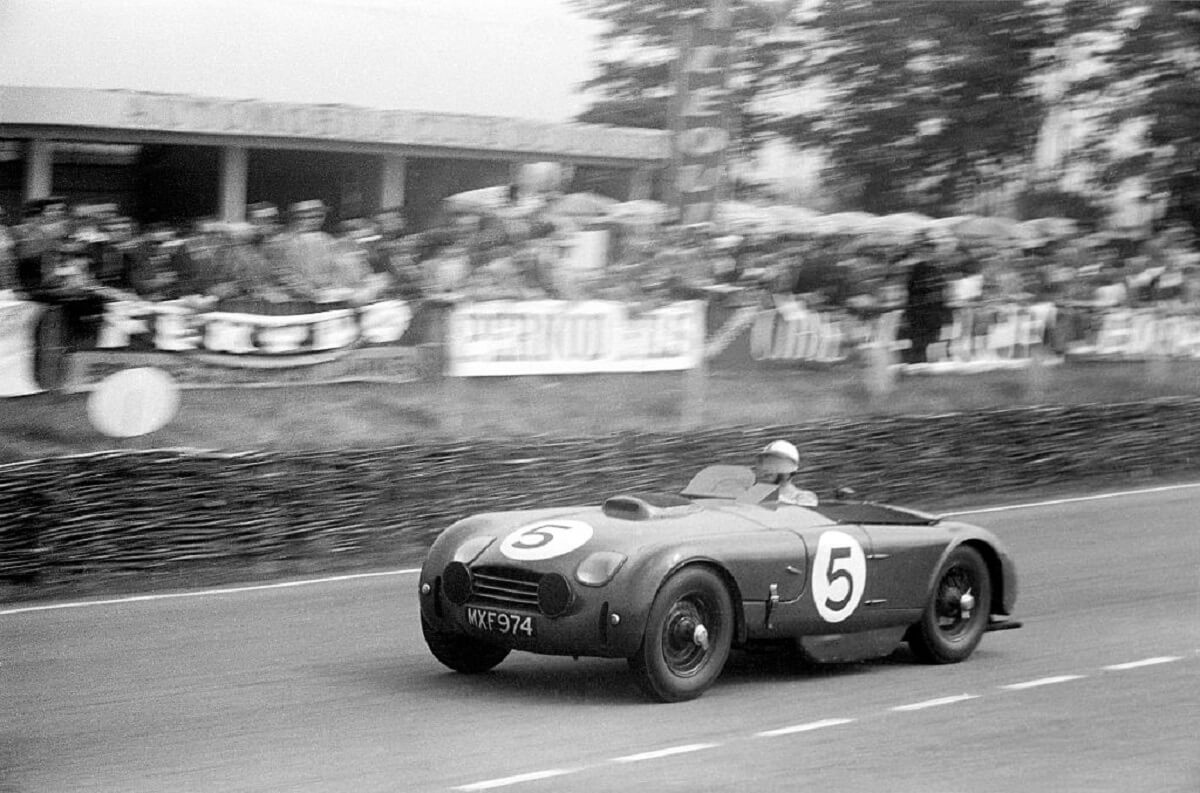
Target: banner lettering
{"points": [[543, 337]]}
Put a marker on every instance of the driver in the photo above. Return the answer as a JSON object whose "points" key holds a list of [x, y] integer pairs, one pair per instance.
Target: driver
{"points": [[775, 465]]}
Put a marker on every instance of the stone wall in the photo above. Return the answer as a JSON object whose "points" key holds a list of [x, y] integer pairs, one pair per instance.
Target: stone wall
{"points": [[130, 512]]}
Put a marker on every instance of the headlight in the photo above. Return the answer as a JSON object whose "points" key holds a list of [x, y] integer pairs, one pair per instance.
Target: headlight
{"points": [[599, 568]]}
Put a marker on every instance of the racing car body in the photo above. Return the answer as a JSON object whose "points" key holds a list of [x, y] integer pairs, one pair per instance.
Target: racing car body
{"points": [[673, 582]]}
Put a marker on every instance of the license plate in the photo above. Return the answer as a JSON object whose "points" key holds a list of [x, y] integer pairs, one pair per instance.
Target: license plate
{"points": [[501, 622]]}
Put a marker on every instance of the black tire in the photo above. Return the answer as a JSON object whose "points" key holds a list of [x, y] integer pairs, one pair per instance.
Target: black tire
{"points": [[677, 661], [948, 632], [460, 652]]}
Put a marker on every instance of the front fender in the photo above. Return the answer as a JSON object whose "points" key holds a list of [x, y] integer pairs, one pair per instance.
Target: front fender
{"points": [[1000, 564], [753, 569]]}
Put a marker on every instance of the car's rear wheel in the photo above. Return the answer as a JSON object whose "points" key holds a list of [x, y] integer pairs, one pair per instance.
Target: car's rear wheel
{"points": [[956, 616], [462, 653], [688, 635]]}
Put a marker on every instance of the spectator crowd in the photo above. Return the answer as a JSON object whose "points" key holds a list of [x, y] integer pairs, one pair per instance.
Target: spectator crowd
{"points": [[280, 259]]}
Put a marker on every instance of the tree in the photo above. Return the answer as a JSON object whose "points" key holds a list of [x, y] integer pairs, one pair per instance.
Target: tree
{"points": [[925, 102], [918, 104], [1157, 67], [639, 46]]}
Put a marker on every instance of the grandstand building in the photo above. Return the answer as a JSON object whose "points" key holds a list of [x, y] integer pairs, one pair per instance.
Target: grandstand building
{"points": [[174, 157]]}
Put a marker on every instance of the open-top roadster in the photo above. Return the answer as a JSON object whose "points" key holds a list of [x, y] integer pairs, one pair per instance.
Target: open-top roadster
{"points": [[673, 582]]}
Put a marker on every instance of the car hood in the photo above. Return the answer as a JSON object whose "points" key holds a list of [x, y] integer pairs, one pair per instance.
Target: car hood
{"points": [[625, 524]]}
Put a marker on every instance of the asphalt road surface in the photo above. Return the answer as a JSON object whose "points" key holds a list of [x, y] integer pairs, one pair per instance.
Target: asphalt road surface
{"points": [[328, 687]]}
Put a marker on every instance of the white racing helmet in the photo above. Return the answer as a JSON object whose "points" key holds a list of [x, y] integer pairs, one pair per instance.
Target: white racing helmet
{"points": [[779, 457]]}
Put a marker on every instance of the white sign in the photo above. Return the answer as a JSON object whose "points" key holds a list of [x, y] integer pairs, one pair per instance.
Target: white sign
{"points": [[1139, 333], [176, 326], [795, 333], [544, 337], [17, 321]]}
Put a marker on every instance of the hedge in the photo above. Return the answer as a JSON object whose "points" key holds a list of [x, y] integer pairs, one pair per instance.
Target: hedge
{"points": [[127, 512]]}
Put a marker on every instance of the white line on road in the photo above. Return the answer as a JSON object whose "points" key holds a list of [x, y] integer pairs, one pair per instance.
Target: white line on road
{"points": [[685, 749], [1044, 681], [1164, 659], [205, 592], [814, 725], [934, 703], [1054, 502], [515, 780]]}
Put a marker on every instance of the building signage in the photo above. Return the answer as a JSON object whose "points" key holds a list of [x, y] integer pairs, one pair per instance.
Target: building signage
{"points": [[181, 113], [560, 337]]}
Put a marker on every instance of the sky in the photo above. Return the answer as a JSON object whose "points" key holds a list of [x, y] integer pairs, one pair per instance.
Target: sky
{"points": [[516, 58]]}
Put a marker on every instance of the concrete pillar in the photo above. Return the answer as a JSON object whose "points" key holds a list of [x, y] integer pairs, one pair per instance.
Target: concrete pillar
{"points": [[391, 182], [39, 169], [235, 162]]}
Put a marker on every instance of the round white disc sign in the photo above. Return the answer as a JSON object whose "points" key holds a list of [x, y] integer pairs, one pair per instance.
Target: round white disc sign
{"points": [[133, 402]]}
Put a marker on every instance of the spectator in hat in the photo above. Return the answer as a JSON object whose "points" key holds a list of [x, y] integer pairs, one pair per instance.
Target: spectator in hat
{"points": [[118, 253], [263, 217], [265, 256], [308, 252]]}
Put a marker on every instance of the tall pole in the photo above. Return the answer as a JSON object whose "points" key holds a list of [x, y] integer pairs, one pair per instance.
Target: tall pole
{"points": [[718, 14], [700, 115]]}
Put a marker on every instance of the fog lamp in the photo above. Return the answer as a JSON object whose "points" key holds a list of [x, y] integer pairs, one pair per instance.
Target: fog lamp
{"points": [[456, 583], [599, 568], [554, 595]]}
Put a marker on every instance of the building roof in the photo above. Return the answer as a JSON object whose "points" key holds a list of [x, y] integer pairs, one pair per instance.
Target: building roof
{"points": [[135, 115]]}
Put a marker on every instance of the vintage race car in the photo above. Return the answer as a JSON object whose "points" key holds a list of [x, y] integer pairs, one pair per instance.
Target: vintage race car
{"points": [[673, 582]]}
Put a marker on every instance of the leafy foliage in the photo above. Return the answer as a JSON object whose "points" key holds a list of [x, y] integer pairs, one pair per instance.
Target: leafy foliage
{"points": [[1158, 65], [921, 104]]}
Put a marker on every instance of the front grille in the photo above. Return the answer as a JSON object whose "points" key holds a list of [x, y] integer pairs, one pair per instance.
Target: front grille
{"points": [[504, 586]]}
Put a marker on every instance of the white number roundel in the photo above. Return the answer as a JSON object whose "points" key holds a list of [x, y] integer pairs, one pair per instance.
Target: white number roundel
{"points": [[545, 540], [839, 575]]}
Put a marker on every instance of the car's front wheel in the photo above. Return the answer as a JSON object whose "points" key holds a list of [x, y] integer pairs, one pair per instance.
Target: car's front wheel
{"points": [[688, 635], [462, 653], [956, 616]]}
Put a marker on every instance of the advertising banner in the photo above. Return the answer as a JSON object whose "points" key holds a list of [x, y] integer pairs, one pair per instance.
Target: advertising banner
{"points": [[1131, 334], [985, 337], [790, 334], [213, 346], [545, 337], [786, 335]]}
